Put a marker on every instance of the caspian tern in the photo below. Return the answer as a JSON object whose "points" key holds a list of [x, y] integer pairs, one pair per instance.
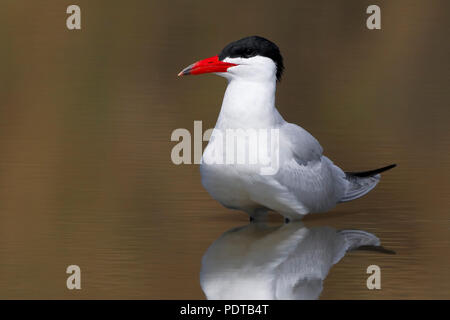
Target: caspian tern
{"points": [[305, 181]]}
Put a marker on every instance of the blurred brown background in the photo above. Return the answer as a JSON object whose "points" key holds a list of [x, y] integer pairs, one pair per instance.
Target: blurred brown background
{"points": [[86, 118]]}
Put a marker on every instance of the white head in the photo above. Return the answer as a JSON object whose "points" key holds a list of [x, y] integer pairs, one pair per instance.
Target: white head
{"points": [[252, 58]]}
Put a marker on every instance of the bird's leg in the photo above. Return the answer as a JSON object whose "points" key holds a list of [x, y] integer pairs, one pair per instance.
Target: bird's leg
{"points": [[258, 214]]}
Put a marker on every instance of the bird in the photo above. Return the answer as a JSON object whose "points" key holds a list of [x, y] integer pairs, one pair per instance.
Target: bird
{"points": [[295, 179], [288, 261]]}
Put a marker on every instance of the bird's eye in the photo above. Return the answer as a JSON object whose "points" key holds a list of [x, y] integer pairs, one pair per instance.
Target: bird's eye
{"points": [[247, 52]]}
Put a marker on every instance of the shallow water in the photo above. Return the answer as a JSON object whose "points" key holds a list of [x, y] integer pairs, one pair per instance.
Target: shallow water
{"points": [[86, 117]]}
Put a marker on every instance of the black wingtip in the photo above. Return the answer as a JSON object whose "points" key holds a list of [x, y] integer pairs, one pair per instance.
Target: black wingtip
{"points": [[371, 172], [380, 249]]}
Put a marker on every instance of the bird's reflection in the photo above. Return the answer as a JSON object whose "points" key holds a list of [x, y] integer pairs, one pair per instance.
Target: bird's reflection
{"points": [[258, 261]]}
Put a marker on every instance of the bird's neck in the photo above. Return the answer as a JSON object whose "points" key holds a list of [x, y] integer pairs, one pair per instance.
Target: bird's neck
{"points": [[249, 104]]}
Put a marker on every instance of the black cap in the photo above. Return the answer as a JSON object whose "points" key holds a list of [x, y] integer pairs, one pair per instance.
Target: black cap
{"points": [[254, 46]]}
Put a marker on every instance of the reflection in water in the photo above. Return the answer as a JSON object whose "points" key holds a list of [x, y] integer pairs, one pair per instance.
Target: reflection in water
{"points": [[290, 261]]}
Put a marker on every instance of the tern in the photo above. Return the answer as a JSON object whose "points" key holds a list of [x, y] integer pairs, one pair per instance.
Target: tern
{"points": [[305, 181]]}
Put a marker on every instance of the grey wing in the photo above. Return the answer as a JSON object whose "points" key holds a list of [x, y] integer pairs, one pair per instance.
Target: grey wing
{"points": [[311, 177], [301, 143]]}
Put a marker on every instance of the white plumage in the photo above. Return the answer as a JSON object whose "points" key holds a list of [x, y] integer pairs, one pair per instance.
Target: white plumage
{"points": [[306, 181]]}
